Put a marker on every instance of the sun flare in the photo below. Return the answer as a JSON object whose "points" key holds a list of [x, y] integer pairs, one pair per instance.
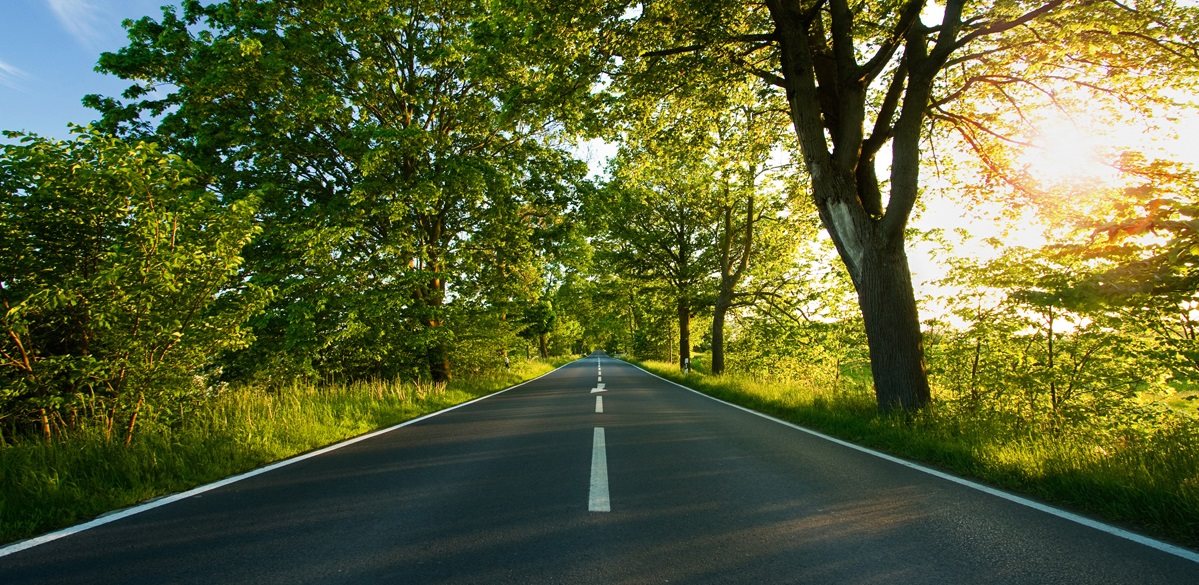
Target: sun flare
{"points": [[1068, 151], [1074, 153], [1082, 148]]}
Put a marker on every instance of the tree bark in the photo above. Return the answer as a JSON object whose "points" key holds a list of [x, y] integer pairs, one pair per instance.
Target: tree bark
{"points": [[437, 352], [432, 296], [684, 333], [718, 314], [1052, 377], [893, 334], [141, 400], [733, 263], [46, 433], [543, 345], [438, 356]]}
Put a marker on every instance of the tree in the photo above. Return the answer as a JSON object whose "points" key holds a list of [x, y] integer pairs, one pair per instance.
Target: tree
{"points": [[1035, 341], [657, 216], [1143, 247], [603, 305], [737, 204], [811, 332], [539, 321], [757, 230], [394, 152], [120, 278]]}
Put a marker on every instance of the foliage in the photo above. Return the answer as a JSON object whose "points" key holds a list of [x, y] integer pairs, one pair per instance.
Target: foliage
{"points": [[694, 212], [605, 310], [120, 272], [658, 217], [403, 166], [539, 320], [1032, 343], [1150, 242]]}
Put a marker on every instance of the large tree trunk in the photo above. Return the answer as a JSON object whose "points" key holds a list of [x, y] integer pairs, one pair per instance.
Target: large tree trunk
{"points": [[439, 363], [733, 263], [438, 356], [437, 352], [878, 265], [543, 345], [432, 296], [684, 333], [893, 333], [718, 314]]}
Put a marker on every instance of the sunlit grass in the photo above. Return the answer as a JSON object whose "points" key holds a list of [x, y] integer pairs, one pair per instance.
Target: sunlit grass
{"points": [[44, 486], [1142, 473]]}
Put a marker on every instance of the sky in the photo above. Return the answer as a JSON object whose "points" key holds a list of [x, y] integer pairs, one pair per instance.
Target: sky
{"points": [[48, 52]]}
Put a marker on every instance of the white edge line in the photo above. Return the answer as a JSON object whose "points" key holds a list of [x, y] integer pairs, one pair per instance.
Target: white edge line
{"points": [[1063, 514], [172, 498]]}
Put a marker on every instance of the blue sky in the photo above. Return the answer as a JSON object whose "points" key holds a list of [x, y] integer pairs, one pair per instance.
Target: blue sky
{"points": [[48, 50]]}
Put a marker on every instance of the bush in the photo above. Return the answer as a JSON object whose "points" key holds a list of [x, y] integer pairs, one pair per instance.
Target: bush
{"points": [[118, 278]]}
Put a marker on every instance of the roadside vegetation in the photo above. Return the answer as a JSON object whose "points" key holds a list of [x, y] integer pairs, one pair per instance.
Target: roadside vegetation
{"points": [[1136, 468], [82, 472]]}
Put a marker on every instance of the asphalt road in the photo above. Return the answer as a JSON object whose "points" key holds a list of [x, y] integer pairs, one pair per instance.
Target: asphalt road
{"points": [[503, 491]]}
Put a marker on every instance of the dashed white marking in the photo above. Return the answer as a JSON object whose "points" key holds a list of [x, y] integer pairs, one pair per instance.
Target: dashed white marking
{"points": [[599, 387], [599, 405], [597, 499], [601, 379]]}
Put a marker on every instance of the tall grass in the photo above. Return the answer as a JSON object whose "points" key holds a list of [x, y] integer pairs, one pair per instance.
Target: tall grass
{"points": [[1139, 469], [82, 473]]}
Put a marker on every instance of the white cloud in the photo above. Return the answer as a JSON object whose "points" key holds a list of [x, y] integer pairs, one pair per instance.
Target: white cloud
{"points": [[11, 75], [80, 18]]}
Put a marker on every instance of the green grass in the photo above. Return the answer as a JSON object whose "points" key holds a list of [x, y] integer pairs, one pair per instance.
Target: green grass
{"points": [[1184, 401], [48, 485], [1143, 475]]}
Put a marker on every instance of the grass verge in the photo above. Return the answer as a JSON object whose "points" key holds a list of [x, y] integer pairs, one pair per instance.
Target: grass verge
{"points": [[48, 485], [1145, 478]]}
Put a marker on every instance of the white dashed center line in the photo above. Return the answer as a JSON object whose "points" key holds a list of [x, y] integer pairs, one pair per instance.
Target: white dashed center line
{"points": [[597, 500]]}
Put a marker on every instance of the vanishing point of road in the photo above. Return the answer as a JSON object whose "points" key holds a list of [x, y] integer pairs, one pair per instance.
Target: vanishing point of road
{"points": [[596, 473]]}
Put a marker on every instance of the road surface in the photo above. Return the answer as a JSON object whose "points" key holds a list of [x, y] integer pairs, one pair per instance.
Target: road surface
{"points": [[596, 473]]}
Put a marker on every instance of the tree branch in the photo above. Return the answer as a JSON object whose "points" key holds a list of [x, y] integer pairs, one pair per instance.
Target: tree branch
{"points": [[750, 38], [997, 169], [1003, 26], [882, 122], [875, 66]]}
